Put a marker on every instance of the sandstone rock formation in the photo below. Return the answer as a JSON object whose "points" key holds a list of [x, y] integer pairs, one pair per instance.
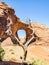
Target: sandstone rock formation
{"points": [[8, 18], [7, 15], [42, 32], [7, 42]]}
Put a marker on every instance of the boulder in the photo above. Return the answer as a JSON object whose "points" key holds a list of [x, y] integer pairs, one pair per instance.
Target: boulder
{"points": [[7, 42]]}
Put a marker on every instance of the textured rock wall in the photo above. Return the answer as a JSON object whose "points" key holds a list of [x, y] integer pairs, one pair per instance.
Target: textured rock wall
{"points": [[42, 32], [7, 15]]}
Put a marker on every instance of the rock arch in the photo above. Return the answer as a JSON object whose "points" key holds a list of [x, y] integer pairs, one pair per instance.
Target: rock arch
{"points": [[6, 12]]}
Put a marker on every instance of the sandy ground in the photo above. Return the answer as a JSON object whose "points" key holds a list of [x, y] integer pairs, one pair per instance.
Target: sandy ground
{"points": [[39, 52]]}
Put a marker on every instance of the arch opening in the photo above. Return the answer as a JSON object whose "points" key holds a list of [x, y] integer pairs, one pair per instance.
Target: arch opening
{"points": [[22, 35]]}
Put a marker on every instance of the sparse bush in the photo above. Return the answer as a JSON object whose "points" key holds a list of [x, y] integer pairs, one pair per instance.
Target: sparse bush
{"points": [[36, 62], [1, 53]]}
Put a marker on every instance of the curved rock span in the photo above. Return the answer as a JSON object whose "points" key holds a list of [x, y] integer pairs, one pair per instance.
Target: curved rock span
{"points": [[8, 18]]}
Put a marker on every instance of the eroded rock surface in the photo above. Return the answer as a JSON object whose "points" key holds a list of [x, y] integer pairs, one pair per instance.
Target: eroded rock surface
{"points": [[7, 42], [8, 18], [42, 32]]}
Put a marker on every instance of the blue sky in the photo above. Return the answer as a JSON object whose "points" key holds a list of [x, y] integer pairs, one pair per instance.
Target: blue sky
{"points": [[36, 10]]}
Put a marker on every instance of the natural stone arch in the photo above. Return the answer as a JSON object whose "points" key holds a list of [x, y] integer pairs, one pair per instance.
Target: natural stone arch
{"points": [[8, 12], [22, 26]]}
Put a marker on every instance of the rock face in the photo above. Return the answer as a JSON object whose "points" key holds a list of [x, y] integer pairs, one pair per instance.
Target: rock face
{"points": [[7, 42], [42, 32], [8, 18]]}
